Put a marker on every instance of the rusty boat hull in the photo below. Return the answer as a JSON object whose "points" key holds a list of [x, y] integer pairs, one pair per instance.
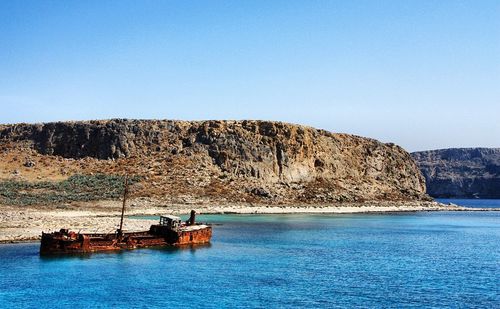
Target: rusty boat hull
{"points": [[67, 242]]}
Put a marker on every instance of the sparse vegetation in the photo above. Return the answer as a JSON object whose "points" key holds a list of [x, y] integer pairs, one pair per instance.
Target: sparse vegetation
{"points": [[75, 188], [210, 161]]}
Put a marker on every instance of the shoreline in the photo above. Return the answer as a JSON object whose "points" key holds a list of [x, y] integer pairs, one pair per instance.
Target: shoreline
{"points": [[26, 223]]}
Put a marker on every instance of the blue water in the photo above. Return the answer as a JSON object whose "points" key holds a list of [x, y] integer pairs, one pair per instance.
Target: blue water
{"points": [[474, 203], [434, 259]]}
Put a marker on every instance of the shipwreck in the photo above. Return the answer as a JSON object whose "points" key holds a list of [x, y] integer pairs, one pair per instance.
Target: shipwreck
{"points": [[170, 231]]}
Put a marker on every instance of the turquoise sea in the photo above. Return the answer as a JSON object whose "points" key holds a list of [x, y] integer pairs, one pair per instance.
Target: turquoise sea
{"points": [[428, 259]]}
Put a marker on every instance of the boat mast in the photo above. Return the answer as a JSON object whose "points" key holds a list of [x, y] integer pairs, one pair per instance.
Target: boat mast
{"points": [[125, 192]]}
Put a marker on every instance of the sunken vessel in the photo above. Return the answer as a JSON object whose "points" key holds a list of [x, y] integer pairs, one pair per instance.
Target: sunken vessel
{"points": [[170, 231]]}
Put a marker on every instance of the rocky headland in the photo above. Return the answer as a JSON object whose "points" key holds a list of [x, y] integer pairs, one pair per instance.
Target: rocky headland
{"points": [[461, 172], [70, 174], [215, 161]]}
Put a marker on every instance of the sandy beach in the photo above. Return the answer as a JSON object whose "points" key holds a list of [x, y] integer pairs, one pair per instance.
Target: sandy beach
{"points": [[27, 223]]}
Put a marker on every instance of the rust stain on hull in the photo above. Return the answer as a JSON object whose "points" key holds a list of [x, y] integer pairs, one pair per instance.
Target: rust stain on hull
{"points": [[170, 232]]}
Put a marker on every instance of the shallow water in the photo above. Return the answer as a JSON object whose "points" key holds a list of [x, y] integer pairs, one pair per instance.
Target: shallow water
{"points": [[433, 259]]}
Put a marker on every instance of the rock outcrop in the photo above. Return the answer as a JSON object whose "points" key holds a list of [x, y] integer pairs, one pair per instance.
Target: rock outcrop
{"points": [[235, 161], [461, 172]]}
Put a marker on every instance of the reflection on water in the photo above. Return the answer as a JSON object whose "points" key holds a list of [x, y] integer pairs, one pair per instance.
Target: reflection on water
{"points": [[164, 249]]}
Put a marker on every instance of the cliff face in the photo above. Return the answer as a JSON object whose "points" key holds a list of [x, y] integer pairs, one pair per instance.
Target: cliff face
{"points": [[247, 161], [461, 172]]}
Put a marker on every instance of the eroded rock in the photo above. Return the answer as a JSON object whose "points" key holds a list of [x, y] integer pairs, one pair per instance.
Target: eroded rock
{"points": [[228, 159]]}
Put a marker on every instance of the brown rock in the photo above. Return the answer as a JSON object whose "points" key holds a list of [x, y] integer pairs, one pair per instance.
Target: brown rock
{"points": [[294, 163]]}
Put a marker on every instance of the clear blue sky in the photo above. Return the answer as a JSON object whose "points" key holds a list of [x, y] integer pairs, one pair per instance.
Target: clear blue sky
{"points": [[422, 74]]}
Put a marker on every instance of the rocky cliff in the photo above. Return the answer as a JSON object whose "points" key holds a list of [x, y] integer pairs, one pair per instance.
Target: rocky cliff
{"points": [[216, 161], [461, 172]]}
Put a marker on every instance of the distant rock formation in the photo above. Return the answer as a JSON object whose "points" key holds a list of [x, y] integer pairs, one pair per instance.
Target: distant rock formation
{"points": [[237, 161], [461, 172]]}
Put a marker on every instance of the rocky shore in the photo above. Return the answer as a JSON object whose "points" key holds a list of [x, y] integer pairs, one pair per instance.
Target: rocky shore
{"points": [[27, 223], [71, 174]]}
